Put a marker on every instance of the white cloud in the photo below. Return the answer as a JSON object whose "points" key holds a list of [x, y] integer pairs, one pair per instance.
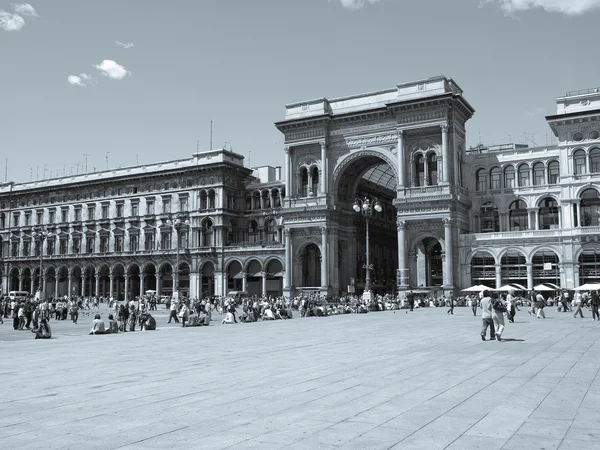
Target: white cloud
{"points": [[568, 7], [353, 5], [75, 80], [25, 9], [112, 70], [124, 44], [15, 21]]}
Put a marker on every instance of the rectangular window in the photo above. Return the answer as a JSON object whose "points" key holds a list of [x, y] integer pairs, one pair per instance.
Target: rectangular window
{"points": [[165, 241], [118, 243], [50, 247], [183, 204], [26, 248], [91, 212], [103, 244], [90, 244], [135, 209], [150, 207], [16, 219], [133, 244], [166, 205], [63, 246], [76, 246], [38, 246], [15, 249], [495, 180], [40, 217], [523, 178], [119, 210], [149, 242], [27, 218], [64, 215], [105, 211], [77, 214]]}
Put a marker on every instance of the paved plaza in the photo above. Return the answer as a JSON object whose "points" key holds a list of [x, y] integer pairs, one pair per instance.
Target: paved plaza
{"points": [[421, 380]]}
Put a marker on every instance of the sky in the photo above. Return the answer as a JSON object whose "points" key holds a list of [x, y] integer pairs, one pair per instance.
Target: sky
{"points": [[120, 83]]}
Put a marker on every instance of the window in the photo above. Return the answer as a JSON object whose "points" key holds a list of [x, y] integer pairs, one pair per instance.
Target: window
{"points": [[271, 231], [523, 175], [590, 208], [64, 215], [539, 178], [481, 178], [28, 218], [315, 181], [63, 246], [40, 217], [15, 249], [38, 246], [50, 244], [579, 162], [16, 217], [150, 207], [166, 205], [509, 177], [76, 245], [495, 178], [553, 172], [248, 203], [119, 209], [103, 244], [253, 232], [207, 234], [420, 170], [2, 221], [183, 204], [595, 160], [118, 243], [149, 241], [105, 211], [517, 216], [133, 243], [91, 212], [77, 214], [432, 169], [26, 248], [256, 201], [165, 240], [90, 242], [203, 201], [135, 209], [490, 219], [548, 214], [304, 182]]}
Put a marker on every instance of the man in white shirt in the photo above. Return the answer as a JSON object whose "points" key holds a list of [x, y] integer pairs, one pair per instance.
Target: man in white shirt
{"points": [[173, 314], [486, 316]]}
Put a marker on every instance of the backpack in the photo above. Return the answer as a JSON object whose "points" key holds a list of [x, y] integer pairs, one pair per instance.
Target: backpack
{"points": [[499, 306]]}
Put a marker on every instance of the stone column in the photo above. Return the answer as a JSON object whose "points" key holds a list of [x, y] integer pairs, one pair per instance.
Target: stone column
{"points": [[20, 282], [97, 284], [445, 158], [111, 285], [82, 286], [498, 268], [324, 259], [288, 178], [142, 290], [55, 285], [400, 159], [69, 284], [158, 284], [578, 222], [287, 280], [244, 281], [448, 277], [324, 179], [529, 276], [126, 296], [264, 283], [402, 267]]}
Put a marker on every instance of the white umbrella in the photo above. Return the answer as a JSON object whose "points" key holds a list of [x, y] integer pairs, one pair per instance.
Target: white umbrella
{"points": [[588, 287], [511, 287], [477, 288], [543, 287]]}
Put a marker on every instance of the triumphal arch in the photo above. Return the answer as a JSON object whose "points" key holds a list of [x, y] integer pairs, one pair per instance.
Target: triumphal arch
{"points": [[402, 146]]}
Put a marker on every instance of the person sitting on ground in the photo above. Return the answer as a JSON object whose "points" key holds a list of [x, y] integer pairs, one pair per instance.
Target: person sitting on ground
{"points": [[194, 321], [43, 331], [98, 326], [113, 325], [229, 318], [268, 313], [147, 322]]}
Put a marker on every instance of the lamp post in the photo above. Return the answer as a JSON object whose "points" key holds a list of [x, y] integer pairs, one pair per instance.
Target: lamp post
{"points": [[178, 223], [41, 233], [367, 207]]}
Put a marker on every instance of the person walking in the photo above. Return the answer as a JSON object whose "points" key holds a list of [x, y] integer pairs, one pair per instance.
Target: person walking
{"points": [[540, 303], [511, 307], [474, 305], [486, 316], [173, 313], [594, 302], [498, 310], [578, 303], [451, 300]]}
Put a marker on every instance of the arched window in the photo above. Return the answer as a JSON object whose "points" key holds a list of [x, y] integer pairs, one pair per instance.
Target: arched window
{"points": [[590, 208], [539, 175], [232, 233], [315, 181], [276, 199], [211, 200], [579, 162], [517, 216], [523, 175], [432, 169], [483, 270], [271, 231], [482, 179], [266, 199], [253, 231], [203, 201], [548, 214], [553, 172], [207, 234], [495, 178], [420, 170], [595, 160], [490, 220], [256, 200], [509, 177], [303, 182], [248, 202]]}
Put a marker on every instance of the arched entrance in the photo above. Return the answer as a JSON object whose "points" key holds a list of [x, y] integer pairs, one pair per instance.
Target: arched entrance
{"points": [[63, 281], [165, 276], [514, 268], [50, 283], [103, 281], [134, 287], [14, 279], [184, 279], [274, 275], [363, 174], [118, 274], [311, 266], [207, 288], [149, 283], [89, 286], [27, 282], [483, 270], [545, 267], [76, 281], [234, 276], [254, 278]]}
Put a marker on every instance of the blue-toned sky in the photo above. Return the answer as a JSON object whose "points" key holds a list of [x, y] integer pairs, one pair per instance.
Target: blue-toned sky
{"points": [[142, 79]]}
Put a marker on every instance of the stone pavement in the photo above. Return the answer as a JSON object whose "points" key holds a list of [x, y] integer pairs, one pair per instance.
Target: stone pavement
{"points": [[421, 380]]}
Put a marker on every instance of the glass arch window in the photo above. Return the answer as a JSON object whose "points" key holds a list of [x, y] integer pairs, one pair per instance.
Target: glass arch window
{"points": [[595, 160], [579, 162], [523, 175], [539, 174], [517, 216], [545, 267], [304, 182], [509, 177], [590, 208], [553, 172], [315, 181], [490, 219], [548, 214], [432, 169], [589, 265], [420, 170], [483, 270], [495, 178], [481, 178]]}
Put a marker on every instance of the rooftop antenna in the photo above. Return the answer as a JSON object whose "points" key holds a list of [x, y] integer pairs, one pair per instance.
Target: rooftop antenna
{"points": [[107, 153], [86, 155]]}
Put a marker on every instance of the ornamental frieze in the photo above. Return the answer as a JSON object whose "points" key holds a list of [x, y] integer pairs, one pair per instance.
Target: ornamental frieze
{"points": [[421, 117], [363, 129], [304, 135], [364, 142]]}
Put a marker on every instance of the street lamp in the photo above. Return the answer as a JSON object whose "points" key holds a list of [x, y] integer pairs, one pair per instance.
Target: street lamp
{"points": [[41, 233], [178, 224], [366, 207]]}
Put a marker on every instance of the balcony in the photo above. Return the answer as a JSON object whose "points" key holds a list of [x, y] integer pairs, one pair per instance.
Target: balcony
{"points": [[528, 234]]}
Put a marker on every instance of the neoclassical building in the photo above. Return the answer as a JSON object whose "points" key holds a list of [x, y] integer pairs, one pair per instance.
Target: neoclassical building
{"points": [[451, 216]]}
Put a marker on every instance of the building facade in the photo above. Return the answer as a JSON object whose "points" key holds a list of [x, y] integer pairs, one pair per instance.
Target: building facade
{"points": [[450, 217], [205, 222]]}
